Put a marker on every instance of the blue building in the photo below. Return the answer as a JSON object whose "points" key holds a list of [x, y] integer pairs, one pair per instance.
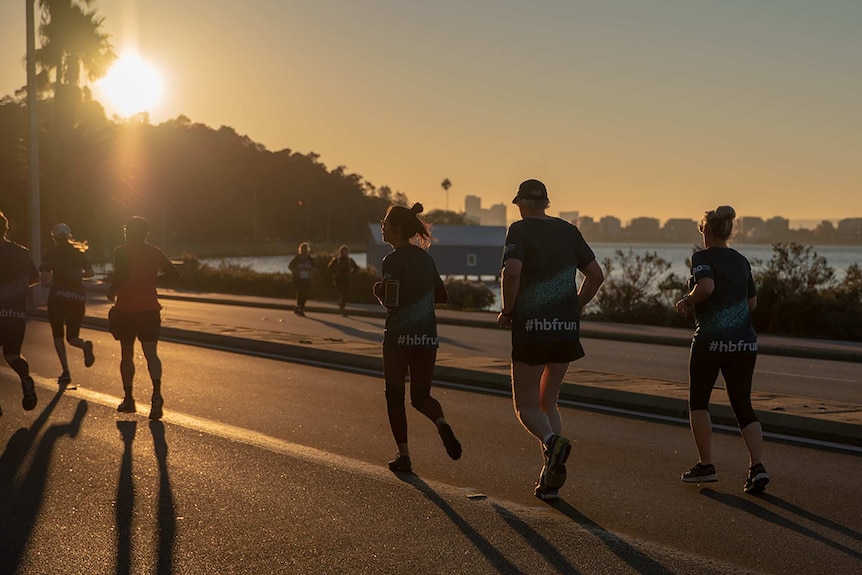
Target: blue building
{"points": [[461, 251]]}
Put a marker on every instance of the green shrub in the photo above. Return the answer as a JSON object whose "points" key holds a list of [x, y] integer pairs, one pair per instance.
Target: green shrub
{"points": [[468, 295], [643, 291]]}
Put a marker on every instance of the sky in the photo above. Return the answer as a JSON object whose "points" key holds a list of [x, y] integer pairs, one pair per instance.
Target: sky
{"points": [[659, 108]]}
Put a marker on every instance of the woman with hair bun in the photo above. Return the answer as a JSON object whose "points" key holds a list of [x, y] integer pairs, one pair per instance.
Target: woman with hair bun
{"points": [[722, 296], [409, 289]]}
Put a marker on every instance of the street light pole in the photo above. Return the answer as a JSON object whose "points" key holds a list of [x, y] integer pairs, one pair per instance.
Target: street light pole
{"points": [[33, 109]]}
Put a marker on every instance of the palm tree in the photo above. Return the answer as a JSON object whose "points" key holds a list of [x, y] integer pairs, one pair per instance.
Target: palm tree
{"points": [[446, 184], [74, 45], [75, 51]]}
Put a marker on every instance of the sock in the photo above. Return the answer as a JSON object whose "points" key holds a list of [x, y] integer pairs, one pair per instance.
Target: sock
{"points": [[547, 438], [440, 421], [403, 450]]}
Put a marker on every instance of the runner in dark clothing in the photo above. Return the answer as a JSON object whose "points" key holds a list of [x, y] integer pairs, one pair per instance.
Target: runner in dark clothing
{"points": [[302, 267], [342, 267], [542, 304], [137, 312], [63, 267], [722, 295], [409, 289], [17, 276]]}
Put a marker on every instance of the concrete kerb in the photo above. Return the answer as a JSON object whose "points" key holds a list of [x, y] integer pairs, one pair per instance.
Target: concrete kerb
{"points": [[799, 417]]}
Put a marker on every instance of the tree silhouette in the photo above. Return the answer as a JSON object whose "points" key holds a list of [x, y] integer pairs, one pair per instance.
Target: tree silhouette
{"points": [[446, 184]]}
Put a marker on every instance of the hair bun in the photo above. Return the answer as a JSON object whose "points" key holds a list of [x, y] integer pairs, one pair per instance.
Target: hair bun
{"points": [[417, 208], [725, 212]]}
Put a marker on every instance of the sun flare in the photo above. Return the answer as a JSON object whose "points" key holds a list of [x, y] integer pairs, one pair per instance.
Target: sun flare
{"points": [[131, 86]]}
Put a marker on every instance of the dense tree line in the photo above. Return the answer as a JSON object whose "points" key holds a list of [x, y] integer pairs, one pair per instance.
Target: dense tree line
{"points": [[194, 183]]}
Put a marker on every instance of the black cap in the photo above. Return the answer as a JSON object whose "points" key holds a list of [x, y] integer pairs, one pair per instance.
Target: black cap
{"points": [[531, 190]]}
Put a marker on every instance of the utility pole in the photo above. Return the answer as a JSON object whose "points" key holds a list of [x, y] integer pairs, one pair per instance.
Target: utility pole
{"points": [[33, 109]]}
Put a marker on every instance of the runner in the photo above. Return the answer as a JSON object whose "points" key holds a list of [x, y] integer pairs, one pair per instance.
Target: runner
{"points": [[409, 289], [302, 267], [342, 267], [17, 276], [542, 304], [722, 296], [137, 312], [63, 267]]}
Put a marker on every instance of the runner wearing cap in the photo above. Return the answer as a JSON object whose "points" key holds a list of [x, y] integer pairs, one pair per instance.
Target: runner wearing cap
{"points": [[17, 276], [63, 267], [541, 305]]}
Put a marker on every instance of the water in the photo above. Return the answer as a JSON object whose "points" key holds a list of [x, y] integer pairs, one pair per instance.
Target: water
{"points": [[838, 257]]}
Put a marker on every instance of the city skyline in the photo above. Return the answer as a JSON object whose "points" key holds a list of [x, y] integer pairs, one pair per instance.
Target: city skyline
{"points": [[626, 107]]}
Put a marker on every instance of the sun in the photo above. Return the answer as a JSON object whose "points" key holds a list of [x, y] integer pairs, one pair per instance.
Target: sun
{"points": [[131, 86]]}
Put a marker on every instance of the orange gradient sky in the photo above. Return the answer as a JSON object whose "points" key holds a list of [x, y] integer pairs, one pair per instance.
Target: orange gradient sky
{"points": [[623, 107]]}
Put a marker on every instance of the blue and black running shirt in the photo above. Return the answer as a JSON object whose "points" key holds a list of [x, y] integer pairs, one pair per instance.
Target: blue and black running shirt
{"points": [[723, 320], [413, 322], [551, 251]]}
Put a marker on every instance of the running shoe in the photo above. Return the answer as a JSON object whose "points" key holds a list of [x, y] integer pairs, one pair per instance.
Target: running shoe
{"points": [[401, 463], [156, 407], [89, 358], [64, 379], [700, 473], [556, 453], [28, 402], [541, 489], [453, 447], [127, 406], [757, 479]]}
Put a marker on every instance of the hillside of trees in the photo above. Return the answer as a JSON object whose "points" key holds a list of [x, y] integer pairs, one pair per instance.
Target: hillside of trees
{"points": [[195, 184]]}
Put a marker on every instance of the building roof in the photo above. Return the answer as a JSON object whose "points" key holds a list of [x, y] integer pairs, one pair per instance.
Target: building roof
{"points": [[447, 235]]}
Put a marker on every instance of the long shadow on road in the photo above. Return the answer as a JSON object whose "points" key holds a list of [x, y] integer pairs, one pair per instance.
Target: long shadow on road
{"points": [[125, 499], [21, 504], [537, 542], [635, 558], [497, 559], [752, 506], [167, 523]]}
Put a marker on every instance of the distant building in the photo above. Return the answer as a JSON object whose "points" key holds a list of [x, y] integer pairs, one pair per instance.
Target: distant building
{"points": [[457, 250], [751, 229], [680, 230], [610, 228], [643, 229], [849, 229], [493, 216], [778, 229], [571, 217], [589, 228]]}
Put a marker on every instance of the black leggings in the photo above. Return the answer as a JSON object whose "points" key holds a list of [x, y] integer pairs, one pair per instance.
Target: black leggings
{"points": [[303, 287], [397, 360], [737, 369]]}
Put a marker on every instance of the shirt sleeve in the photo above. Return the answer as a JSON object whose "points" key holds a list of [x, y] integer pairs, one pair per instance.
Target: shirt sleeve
{"points": [[514, 248], [700, 266], [585, 253]]}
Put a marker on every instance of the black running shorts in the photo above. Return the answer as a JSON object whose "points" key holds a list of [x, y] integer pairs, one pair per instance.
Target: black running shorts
{"points": [[549, 352], [127, 325]]}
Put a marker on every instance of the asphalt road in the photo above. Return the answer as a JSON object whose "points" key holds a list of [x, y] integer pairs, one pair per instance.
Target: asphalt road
{"points": [[263, 466], [831, 380]]}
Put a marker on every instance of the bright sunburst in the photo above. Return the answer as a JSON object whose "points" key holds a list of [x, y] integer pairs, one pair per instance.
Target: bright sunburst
{"points": [[131, 86]]}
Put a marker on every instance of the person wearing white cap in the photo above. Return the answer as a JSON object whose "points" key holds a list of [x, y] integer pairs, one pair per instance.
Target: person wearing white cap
{"points": [[63, 267]]}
